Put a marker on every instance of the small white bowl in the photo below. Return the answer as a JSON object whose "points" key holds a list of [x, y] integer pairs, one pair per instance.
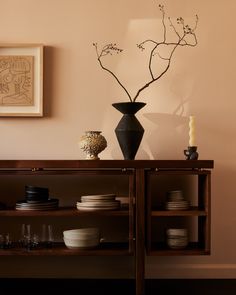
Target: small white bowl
{"points": [[81, 244], [180, 232], [177, 243], [85, 233]]}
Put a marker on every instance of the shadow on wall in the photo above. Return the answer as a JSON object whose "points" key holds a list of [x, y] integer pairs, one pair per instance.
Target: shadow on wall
{"points": [[167, 140], [48, 80]]}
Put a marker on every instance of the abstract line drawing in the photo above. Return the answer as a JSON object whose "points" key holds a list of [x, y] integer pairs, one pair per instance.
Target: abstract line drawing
{"points": [[16, 80]]}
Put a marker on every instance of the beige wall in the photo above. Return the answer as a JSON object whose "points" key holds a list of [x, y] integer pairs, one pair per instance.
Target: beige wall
{"points": [[78, 97]]}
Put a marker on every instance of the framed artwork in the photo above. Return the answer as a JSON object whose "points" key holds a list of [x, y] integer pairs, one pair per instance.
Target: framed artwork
{"points": [[21, 80]]}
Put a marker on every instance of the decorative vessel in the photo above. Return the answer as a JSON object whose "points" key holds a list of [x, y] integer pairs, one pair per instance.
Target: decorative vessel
{"points": [[191, 153], [129, 131], [92, 143]]}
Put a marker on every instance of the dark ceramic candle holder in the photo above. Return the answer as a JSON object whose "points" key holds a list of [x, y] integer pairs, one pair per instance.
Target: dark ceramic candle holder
{"points": [[191, 153]]}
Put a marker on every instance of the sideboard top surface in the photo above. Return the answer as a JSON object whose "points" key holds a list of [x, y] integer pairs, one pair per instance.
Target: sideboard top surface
{"points": [[107, 164]]}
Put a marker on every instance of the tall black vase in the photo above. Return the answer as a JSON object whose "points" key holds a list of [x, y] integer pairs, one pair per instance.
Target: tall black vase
{"points": [[129, 131]]}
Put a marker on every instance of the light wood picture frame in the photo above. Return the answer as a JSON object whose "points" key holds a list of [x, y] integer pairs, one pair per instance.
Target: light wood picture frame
{"points": [[21, 80]]}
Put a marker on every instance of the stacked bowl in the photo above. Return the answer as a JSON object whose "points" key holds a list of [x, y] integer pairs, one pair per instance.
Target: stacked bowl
{"points": [[176, 201], [82, 238], [177, 238], [35, 194], [37, 198]]}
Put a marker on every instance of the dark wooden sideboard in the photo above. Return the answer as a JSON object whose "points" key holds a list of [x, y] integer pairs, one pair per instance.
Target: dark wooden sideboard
{"points": [[148, 181]]}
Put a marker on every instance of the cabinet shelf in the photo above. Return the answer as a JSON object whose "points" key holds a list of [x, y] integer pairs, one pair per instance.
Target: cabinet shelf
{"points": [[193, 211], [62, 211], [193, 248], [59, 249], [196, 219]]}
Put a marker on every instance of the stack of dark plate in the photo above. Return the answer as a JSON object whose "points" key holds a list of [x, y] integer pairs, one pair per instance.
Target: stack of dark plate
{"points": [[37, 198]]}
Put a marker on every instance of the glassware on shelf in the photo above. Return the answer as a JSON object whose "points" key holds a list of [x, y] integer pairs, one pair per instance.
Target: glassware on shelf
{"points": [[28, 240], [47, 238], [1, 241], [5, 241], [34, 241]]}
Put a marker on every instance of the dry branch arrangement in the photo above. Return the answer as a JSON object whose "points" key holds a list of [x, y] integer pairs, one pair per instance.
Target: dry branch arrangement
{"points": [[185, 36]]}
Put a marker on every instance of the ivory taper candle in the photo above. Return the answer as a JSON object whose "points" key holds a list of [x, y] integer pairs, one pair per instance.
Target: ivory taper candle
{"points": [[192, 131]]}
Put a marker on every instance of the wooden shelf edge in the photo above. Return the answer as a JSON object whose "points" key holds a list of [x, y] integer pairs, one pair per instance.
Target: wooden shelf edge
{"points": [[61, 211], [59, 249], [193, 211], [178, 252], [161, 249]]}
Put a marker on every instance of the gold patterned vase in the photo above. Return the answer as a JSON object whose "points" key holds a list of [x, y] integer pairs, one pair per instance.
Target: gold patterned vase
{"points": [[92, 143]]}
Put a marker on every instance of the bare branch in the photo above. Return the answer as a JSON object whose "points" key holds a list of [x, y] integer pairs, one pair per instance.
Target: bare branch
{"points": [[195, 27], [162, 73], [182, 40], [171, 24], [161, 57], [107, 49]]}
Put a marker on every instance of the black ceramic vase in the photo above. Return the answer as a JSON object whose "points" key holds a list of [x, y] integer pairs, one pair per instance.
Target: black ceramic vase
{"points": [[129, 131]]}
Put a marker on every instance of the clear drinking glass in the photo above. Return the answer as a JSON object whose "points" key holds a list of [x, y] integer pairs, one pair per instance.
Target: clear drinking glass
{"points": [[34, 241], [47, 235], [8, 241], [25, 239], [50, 236]]}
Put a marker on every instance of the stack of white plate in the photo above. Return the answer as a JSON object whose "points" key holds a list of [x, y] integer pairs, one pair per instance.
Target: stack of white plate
{"points": [[177, 238], [82, 238], [98, 202], [176, 201]]}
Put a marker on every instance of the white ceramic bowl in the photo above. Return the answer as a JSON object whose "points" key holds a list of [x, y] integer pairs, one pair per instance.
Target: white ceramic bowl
{"points": [[180, 232], [177, 243], [81, 243], [82, 233]]}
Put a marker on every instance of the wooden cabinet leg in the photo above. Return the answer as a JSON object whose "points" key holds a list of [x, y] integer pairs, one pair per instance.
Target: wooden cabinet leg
{"points": [[140, 233]]}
